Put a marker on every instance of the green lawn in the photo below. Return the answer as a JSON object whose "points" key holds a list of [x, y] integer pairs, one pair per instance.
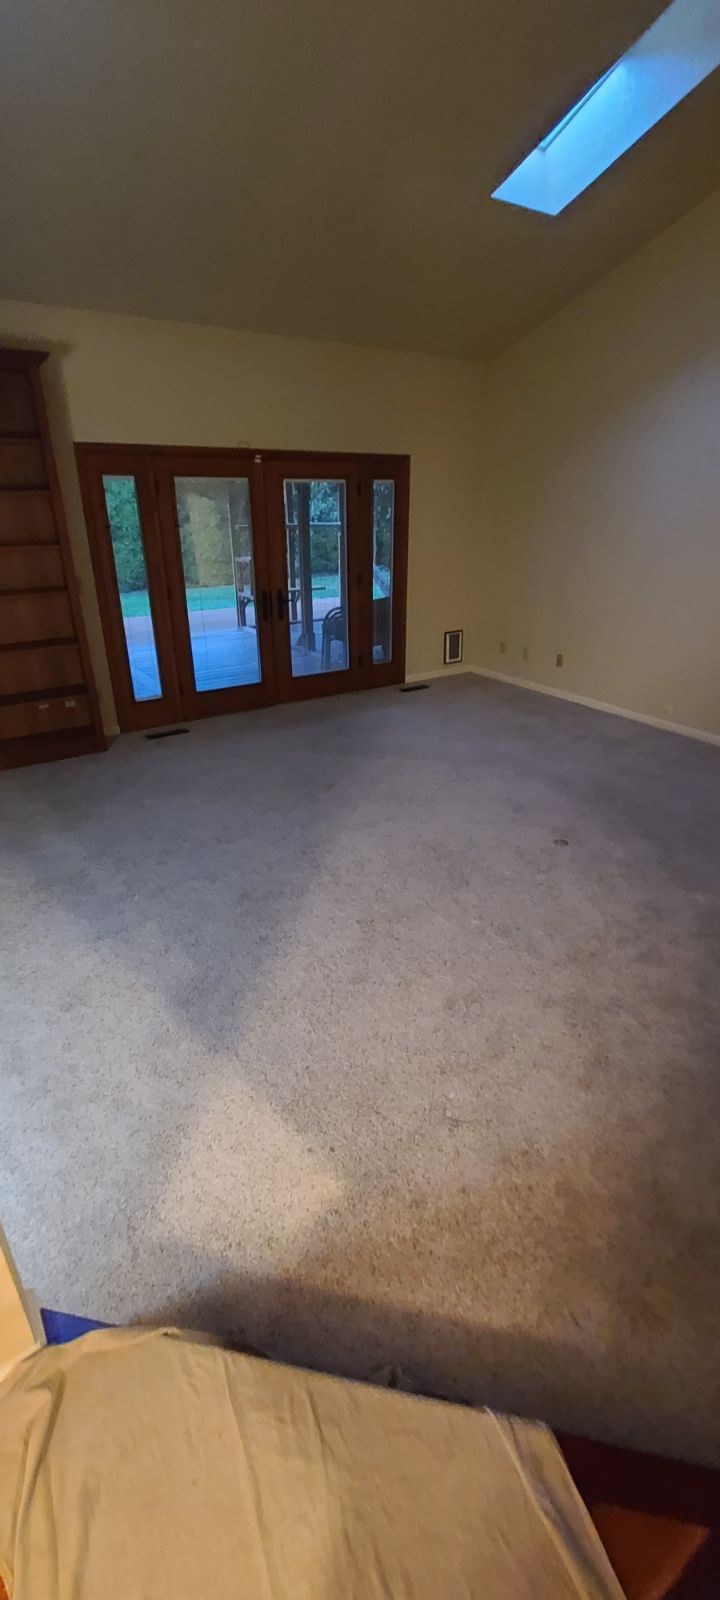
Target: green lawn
{"points": [[135, 602]]}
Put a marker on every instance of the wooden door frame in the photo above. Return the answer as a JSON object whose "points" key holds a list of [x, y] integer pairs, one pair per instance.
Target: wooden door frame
{"points": [[122, 461], [280, 468], [208, 464], [162, 461], [384, 673]]}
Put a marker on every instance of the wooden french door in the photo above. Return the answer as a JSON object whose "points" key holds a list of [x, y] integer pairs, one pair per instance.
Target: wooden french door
{"points": [[122, 517], [217, 571], [233, 579], [315, 540]]}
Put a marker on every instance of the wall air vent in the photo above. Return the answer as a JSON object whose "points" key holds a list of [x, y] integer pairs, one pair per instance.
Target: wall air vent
{"points": [[453, 647]]}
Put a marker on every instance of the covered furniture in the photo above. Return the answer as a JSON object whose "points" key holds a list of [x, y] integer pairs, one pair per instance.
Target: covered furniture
{"points": [[150, 1464]]}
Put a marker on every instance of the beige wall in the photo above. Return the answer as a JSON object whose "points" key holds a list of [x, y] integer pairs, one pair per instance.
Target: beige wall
{"points": [[564, 499], [134, 380], [603, 488]]}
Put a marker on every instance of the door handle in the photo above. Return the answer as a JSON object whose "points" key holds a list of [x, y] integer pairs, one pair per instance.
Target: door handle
{"points": [[265, 605], [281, 603]]}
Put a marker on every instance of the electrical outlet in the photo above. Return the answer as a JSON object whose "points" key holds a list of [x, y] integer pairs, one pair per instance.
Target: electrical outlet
{"points": [[503, 646], [559, 659], [526, 652]]}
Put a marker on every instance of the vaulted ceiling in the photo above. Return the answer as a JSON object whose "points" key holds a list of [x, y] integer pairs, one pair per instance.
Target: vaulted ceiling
{"points": [[310, 167]]}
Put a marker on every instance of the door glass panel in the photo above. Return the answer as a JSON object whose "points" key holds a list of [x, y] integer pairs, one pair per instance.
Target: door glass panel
{"points": [[216, 541], [316, 558], [383, 521], [121, 504]]}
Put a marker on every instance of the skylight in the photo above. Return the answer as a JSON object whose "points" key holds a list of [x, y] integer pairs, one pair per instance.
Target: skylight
{"points": [[670, 59]]}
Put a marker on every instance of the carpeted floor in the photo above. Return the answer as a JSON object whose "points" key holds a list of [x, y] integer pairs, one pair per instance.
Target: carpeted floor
{"points": [[382, 1030]]}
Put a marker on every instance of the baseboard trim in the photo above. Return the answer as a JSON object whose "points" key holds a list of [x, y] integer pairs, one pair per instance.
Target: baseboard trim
{"points": [[601, 705], [454, 671]]}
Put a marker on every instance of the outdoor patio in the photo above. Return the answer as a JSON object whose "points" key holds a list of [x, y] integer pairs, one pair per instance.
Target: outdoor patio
{"points": [[225, 654]]}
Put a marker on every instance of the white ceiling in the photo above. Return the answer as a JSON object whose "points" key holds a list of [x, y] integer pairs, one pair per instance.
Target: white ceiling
{"points": [[304, 167]]}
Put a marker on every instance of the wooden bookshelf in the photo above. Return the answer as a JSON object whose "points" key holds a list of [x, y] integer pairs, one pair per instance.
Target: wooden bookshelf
{"points": [[48, 700]]}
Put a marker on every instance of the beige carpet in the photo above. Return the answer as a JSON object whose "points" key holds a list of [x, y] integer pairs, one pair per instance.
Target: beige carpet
{"points": [[383, 1029]]}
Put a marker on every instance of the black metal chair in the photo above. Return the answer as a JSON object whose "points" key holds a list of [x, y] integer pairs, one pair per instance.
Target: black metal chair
{"points": [[382, 628], [333, 631], [243, 570]]}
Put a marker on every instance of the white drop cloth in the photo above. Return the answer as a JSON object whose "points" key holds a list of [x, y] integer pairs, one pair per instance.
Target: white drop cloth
{"points": [[145, 1465]]}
